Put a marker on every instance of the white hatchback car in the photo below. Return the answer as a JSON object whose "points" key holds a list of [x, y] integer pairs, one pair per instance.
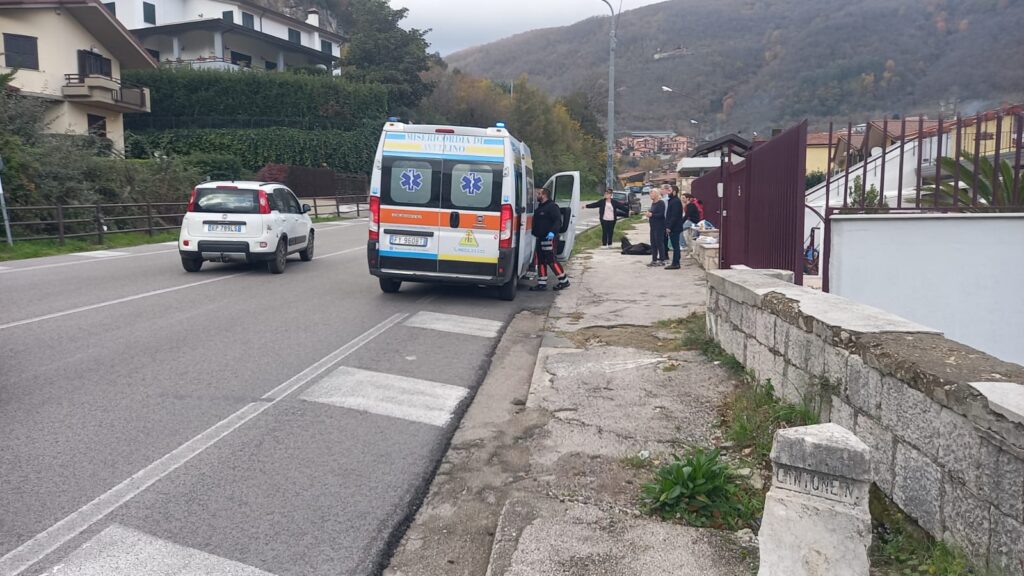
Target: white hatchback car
{"points": [[244, 221]]}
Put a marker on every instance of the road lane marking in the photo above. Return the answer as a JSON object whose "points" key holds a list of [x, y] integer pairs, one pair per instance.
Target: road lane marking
{"points": [[78, 262], [350, 250], [23, 557], [100, 254], [400, 397], [455, 324], [113, 302], [122, 551], [4, 268]]}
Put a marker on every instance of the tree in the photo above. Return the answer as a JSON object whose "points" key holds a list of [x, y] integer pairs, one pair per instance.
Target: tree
{"points": [[813, 178], [381, 51], [994, 190], [583, 110]]}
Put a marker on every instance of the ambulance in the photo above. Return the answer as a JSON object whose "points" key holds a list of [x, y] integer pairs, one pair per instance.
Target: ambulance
{"points": [[452, 204]]}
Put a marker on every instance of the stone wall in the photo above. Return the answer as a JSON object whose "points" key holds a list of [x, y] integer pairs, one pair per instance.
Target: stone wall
{"points": [[950, 456]]}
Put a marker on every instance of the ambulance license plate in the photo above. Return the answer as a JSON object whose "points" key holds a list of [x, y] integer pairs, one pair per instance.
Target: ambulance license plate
{"points": [[418, 241]]}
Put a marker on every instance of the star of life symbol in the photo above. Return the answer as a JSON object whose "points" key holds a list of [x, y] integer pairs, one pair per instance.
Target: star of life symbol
{"points": [[412, 180], [472, 183]]}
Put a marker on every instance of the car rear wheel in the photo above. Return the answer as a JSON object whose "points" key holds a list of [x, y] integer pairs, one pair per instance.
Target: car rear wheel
{"points": [[307, 253], [276, 266], [191, 264], [389, 285], [508, 290]]}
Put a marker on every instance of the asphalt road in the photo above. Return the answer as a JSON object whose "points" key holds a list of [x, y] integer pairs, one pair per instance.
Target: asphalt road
{"points": [[230, 421]]}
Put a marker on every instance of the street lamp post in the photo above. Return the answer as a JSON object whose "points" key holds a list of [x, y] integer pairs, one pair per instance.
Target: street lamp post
{"points": [[610, 172]]}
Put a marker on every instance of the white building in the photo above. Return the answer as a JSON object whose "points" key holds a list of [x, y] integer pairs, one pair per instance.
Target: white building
{"points": [[71, 53], [227, 34]]}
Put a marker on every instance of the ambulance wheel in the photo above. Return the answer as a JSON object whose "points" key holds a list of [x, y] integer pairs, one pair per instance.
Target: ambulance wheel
{"points": [[389, 285], [507, 291]]}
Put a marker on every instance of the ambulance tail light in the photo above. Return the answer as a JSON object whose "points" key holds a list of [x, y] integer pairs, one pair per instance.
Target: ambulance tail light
{"points": [[505, 237], [374, 217]]}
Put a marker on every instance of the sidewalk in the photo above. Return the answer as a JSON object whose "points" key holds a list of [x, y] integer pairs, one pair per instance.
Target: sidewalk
{"points": [[544, 474]]}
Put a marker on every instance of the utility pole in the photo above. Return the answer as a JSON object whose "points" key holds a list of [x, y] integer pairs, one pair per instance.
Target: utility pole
{"points": [[610, 172], [3, 209]]}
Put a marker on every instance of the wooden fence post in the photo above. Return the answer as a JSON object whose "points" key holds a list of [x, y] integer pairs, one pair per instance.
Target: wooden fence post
{"points": [[149, 218], [60, 224], [99, 224]]}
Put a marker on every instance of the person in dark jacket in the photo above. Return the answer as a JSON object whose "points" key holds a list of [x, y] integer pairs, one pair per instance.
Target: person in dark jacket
{"points": [[547, 222], [656, 218], [674, 226], [691, 217], [608, 211]]}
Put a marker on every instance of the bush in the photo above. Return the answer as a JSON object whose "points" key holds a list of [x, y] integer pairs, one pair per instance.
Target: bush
{"points": [[702, 490], [183, 93], [216, 166], [342, 151]]}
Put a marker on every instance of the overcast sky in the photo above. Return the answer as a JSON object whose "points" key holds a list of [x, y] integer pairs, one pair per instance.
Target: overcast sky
{"points": [[459, 24]]}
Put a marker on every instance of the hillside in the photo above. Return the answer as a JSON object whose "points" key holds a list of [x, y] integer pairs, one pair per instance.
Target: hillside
{"points": [[751, 64]]}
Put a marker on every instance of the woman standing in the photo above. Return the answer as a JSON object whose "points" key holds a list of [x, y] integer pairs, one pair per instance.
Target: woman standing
{"points": [[609, 213], [656, 219]]}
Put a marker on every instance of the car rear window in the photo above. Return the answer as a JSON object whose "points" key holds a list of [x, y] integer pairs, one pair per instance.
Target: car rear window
{"points": [[240, 201]]}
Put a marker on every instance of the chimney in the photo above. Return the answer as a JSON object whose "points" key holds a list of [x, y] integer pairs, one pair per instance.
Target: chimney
{"points": [[313, 17]]}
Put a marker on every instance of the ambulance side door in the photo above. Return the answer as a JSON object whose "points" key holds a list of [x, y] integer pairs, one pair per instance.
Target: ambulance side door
{"points": [[565, 191]]}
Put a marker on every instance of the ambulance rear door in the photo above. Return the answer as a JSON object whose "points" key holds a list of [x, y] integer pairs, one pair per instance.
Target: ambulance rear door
{"points": [[565, 191]]}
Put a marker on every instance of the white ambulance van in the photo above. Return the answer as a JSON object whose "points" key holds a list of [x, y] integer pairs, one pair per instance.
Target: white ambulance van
{"points": [[455, 205]]}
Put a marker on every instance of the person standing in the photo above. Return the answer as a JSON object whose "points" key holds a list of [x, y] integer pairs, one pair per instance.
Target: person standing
{"points": [[547, 222], [674, 226], [656, 219], [691, 218], [608, 210]]}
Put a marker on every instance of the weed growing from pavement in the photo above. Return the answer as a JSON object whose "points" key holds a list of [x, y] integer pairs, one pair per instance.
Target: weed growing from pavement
{"points": [[638, 462], [900, 548], [37, 248], [755, 414], [703, 490]]}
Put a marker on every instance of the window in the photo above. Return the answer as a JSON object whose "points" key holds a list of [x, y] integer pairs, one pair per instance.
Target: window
{"points": [[270, 65], [228, 16], [294, 36], [154, 53], [97, 125], [149, 13], [292, 201], [93, 64], [111, 7], [409, 182], [472, 185], [241, 59], [326, 47], [276, 201], [227, 201], [21, 51], [248, 20]]}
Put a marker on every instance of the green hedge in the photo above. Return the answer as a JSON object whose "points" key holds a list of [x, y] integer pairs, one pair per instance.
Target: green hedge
{"points": [[182, 93], [342, 151]]}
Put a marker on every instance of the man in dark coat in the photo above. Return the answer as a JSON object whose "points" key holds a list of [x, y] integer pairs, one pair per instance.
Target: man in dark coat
{"points": [[674, 226], [547, 222]]}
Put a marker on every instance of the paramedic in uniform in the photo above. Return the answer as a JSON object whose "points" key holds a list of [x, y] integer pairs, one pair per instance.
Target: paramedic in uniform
{"points": [[547, 221]]}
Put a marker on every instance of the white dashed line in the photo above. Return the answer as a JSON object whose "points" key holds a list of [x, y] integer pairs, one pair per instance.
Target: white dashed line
{"points": [[455, 324], [122, 551], [80, 262], [410, 399]]}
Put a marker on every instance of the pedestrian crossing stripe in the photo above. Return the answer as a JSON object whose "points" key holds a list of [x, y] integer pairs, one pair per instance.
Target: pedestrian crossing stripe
{"points": [[469, 240]]}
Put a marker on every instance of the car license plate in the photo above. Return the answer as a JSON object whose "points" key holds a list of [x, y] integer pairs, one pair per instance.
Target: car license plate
{"points": [[418, 241], [225, 228]]}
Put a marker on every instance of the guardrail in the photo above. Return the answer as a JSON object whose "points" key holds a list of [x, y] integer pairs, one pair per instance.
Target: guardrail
{"points": [[61, 222]]}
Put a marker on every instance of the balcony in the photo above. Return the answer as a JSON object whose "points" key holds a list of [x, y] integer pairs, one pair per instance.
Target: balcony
{"points": [[105, 92]]}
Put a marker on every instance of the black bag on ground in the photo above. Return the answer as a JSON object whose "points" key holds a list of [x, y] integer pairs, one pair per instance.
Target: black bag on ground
{"points": [[630, 249]]}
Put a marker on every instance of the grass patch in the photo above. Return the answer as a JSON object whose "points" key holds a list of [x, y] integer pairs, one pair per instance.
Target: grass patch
{"points": [[702, 490], [591, 238], [901, 548], [755, 414], [695, 337], [39, 248], [640, 461]]}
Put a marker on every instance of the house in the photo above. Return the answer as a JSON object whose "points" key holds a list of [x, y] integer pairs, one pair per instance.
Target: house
{"points": [[227, 34], [709, 156], [71, 53], [818, 150]]}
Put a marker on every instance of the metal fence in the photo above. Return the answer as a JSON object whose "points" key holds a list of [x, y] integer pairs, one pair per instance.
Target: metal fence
{"points": [[917, 165], [62, 222], [761, 210]]}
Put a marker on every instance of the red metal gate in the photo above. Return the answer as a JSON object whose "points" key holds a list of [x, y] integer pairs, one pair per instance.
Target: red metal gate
{"points": [[761, 213]]}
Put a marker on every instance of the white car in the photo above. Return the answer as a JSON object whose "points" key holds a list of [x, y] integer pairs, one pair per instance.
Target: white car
{"points": [[244, 221]]}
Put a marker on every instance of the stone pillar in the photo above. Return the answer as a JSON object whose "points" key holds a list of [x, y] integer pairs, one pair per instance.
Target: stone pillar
{"points": [[816, 519], [176, 47], [280, 60], [218, 44]]}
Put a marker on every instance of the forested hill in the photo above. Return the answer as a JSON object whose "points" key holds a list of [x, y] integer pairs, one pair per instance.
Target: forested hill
{"points": [[750, 64]]}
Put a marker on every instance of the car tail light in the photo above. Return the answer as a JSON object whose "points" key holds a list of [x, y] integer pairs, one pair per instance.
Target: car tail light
{"points": [[264, 203], [192, 201], [505, 237], [185, 243], [374, 217]]}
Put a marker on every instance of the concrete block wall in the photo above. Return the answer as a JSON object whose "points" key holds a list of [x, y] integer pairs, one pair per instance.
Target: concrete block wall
{"points": [[941, 450]]}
